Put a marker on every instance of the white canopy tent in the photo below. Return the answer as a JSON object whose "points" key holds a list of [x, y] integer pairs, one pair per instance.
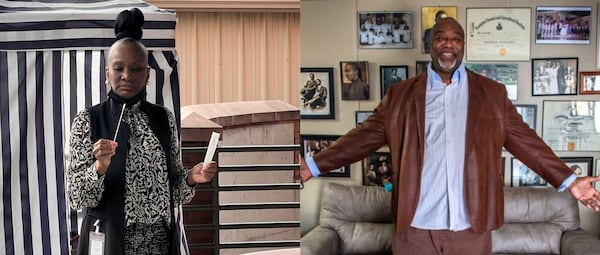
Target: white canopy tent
{"points": [[52, 56]]}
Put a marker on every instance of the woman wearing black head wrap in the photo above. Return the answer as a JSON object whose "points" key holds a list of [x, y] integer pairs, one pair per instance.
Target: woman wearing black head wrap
{"points": [[125, 170]]}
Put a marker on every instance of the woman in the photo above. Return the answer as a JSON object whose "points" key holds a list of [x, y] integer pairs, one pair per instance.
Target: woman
{"points": [[357, 89], [125, 170]]}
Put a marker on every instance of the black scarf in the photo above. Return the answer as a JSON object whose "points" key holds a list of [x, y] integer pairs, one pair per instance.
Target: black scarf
{"points": [[129, 101]]}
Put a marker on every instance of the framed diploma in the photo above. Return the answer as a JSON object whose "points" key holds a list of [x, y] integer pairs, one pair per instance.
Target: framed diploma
{"points": [[498, 34]]}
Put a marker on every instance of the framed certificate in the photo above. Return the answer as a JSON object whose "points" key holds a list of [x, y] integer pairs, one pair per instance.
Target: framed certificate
{"points": [[498, 34]]}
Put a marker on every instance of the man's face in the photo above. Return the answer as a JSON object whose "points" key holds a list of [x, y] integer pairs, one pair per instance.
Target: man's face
{"points": [[447, 46]]}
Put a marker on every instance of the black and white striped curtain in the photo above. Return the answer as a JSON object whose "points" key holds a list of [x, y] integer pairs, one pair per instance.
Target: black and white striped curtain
{"points": [[52, 58]]}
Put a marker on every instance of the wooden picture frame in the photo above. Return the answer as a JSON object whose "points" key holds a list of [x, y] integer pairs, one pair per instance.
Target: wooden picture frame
{"points": [[391, 74], [429, 16], [521, 175], [355, 80], [385, 30], [589, 83], [313, 144], [554, 76], [316, 93]]}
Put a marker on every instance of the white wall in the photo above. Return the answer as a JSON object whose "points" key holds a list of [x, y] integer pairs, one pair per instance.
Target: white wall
{"points": [[328, 36]]}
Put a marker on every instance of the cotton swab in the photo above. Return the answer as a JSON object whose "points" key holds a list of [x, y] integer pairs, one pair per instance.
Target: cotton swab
{"points": [[119, 124]]}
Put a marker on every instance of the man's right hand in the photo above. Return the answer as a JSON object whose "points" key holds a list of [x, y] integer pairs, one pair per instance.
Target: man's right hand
{"points": [[305, 174]]}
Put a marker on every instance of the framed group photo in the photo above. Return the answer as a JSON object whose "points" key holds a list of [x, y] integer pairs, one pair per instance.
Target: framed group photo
{"points": [[385, 30], [562, 25], [589, 82], [507, 74], [554, 76], [429, 16], [355, 80], [377, 169], [313, 144], [316, 93], [498, 34], [571, 125], [391, 74], [581, 166]]}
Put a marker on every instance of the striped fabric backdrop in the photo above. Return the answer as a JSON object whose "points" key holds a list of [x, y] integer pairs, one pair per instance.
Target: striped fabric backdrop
{"points": [[52, 58]]}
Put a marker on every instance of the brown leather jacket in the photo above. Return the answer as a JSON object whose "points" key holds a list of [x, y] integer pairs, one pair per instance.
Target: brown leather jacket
{"points": [[492, 123]]}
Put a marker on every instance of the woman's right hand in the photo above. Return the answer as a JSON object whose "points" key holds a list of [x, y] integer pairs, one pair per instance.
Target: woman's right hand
{"points": [[103, 150]]}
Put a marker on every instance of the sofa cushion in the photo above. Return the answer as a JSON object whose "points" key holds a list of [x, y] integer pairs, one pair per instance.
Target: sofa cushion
{"points": [[527, 238], [361, 215]]}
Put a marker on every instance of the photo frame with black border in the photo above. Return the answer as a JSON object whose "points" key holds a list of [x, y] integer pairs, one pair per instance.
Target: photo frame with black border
{"points": [[529, 114], [554, 76], [313, 144], [569, 125], [317, 93], [390, 74], [385, 30], [521, 175], [562, 24], [589, 83], [377, 169], [581, 166], [360, 116]]}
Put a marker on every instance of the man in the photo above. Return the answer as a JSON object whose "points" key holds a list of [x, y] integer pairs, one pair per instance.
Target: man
{"points": [[445, 129]]}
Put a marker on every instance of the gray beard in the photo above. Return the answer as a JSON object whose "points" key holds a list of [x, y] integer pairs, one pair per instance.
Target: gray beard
{"points": [[445, 67]]}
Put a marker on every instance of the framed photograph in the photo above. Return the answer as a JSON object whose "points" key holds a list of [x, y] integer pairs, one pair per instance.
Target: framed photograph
{"points": [[391, 74], [498, 34], [421, 66], [571, 125], [521, 175], [507, 74], [361, 116], [529, 114], [554, 76], [313, 144], [316, 93], [429, 16], [562, 25], [385, 30], [582, 166], [589, 83], [355, 80], [377, 169]]}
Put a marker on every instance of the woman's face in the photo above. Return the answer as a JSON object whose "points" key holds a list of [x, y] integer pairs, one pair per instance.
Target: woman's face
{"points": [[127, 69], [350, 72]]}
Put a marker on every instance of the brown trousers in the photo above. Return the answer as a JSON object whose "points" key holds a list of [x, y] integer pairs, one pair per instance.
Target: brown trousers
{"points": [[442, 242]]}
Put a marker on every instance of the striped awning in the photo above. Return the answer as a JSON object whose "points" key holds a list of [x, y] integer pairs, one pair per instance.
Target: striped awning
{"points": [[52, 58], [60, 24]]}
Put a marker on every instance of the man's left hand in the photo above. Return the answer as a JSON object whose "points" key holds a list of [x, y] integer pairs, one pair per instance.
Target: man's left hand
{"points": [[202, 172], [583, 189]]}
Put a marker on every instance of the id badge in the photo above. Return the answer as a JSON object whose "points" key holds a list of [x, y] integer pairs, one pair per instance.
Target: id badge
{"points": [[96, 243]]}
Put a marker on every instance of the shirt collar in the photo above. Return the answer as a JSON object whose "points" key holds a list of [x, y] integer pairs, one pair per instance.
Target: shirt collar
{"points": [[434, 80]]}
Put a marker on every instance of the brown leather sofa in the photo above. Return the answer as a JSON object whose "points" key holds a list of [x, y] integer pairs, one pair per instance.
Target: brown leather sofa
{"points": [[357, 220]]}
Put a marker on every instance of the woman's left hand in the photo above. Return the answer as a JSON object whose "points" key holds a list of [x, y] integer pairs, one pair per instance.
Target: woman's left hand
{"points": [[202, 173]]}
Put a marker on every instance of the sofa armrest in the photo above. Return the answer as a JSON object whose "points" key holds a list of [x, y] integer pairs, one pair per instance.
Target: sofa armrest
{"points": [[320, 240], [579, 242]]}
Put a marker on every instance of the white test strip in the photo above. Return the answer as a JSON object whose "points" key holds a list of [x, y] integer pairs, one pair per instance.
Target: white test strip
{"points": [[212, 146]]}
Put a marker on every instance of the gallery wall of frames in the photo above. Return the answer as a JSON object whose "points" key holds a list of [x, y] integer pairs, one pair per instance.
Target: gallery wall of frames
{"points": [[544, 52]]}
